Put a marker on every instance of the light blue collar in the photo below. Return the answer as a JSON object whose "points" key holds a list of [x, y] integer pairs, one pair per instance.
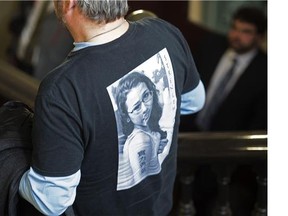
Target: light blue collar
{"points": [[82, 45]]}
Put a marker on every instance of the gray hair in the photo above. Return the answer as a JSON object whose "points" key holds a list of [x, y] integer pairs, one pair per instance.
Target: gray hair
{"points": [[103, 11]]}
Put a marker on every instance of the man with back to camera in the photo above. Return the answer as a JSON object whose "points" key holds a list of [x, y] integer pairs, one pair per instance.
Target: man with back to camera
{"points": [[78, 139], [240, 104]]}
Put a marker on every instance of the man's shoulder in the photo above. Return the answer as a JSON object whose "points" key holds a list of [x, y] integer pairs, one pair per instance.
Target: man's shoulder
{"points": [[157, 24], [261, 54], [260, 59], [56, 78], [153, 21]]}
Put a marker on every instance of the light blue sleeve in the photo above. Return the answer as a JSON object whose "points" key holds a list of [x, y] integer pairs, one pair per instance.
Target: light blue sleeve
{"points": [[49, 195], [193, 101]]}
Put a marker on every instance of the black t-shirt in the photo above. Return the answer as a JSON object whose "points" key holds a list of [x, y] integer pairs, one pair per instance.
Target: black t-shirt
{"points": [[126, 151]]}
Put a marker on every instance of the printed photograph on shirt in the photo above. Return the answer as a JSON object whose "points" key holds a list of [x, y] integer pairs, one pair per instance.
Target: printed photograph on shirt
{"points": [[144, 103]]}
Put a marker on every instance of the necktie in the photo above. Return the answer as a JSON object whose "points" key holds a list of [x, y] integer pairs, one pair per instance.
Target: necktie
{"points": [[205, 116]]}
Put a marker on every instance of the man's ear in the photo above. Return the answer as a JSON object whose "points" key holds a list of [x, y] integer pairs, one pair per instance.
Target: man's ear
{"points": [[69, 4]]}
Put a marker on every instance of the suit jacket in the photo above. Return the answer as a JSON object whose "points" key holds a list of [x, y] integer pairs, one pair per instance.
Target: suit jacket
{"points": [[245, 107]]}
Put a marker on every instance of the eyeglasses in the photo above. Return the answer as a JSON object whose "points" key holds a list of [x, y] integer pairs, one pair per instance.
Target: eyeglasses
{"points": [[146, 97]]}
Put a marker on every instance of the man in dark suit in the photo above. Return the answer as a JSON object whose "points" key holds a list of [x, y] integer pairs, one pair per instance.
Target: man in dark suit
{"points": [[243, 102]]}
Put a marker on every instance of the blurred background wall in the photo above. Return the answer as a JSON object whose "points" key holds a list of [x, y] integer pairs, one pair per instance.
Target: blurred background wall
{"points": [[7, 8], [216, 15]]}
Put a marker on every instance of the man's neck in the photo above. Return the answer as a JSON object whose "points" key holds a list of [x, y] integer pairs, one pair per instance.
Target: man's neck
{"points": [[100, 33]]}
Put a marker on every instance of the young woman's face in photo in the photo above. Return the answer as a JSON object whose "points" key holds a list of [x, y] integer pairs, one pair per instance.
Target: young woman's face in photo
{"points": [[139, 104]]}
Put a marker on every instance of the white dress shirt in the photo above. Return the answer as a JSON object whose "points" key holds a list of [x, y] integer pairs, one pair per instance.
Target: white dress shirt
{"points": [[223, 66]]}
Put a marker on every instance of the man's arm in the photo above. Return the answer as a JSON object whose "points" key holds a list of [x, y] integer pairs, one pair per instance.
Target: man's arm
{"points": [[49, 195], [193, 101]]}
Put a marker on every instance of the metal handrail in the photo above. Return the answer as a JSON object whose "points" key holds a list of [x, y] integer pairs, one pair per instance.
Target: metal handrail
{"points": [[248, 145]]}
